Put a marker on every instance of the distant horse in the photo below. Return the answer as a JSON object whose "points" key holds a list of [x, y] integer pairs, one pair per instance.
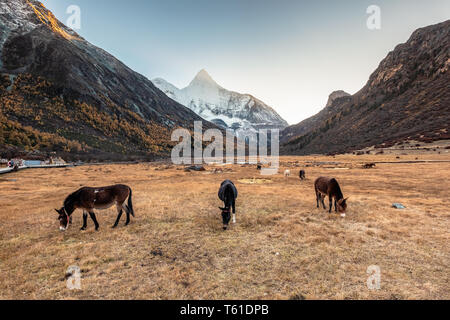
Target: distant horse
{"points": [[287, 173], [89, 199], [228, 194], [302, 175], [330, 187]]}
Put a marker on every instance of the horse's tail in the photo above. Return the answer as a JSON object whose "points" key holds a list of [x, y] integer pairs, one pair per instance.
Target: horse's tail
{"points": [[130, 203]]}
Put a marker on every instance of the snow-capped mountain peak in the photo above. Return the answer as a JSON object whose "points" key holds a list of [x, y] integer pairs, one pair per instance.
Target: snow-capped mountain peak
{"points": [[225, 108], [203, 79]]}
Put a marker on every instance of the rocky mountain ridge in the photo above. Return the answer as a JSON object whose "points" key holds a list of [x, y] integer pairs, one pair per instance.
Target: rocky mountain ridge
{"points": [[59, 93], [406, 98]]}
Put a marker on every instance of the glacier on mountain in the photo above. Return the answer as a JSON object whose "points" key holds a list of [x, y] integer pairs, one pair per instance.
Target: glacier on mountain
{"points": [[228, 109]]}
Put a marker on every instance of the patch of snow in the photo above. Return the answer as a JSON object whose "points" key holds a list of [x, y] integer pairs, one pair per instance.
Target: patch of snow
{"points": [[138, 110], [12, 78]]}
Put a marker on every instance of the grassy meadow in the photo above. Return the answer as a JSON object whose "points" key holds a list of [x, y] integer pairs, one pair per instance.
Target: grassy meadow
{"points": [[282, 246]]}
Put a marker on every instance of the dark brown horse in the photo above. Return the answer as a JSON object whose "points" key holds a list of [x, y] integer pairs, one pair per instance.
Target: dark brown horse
{"points": [[330, 187], [302, 174], [88, 199]]}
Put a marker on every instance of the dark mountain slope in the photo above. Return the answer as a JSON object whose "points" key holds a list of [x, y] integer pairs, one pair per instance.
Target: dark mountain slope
{"points": [[407, 97], [60, 93]]}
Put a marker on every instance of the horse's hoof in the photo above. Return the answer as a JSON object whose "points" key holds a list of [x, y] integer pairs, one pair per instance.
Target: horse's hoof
{"points": [[113, 227], [83, 229]]}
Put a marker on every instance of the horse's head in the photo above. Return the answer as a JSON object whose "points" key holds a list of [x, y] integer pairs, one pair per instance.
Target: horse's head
{"points": [[63, 218], [226, 217], [342, 205]]}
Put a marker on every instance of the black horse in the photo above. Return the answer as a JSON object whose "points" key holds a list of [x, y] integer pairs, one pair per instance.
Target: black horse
{"points": [[89, 199], [228, 194], [302, 175]]}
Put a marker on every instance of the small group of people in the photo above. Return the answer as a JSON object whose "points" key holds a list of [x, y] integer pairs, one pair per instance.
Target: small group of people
{"points": [[15, 164]]}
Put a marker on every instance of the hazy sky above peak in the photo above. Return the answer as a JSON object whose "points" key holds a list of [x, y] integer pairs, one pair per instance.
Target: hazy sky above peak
{"points": [[289, 54]]}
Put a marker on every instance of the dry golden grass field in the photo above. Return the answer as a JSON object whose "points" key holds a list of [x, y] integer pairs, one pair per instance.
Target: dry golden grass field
{"points": [[282, 246]]}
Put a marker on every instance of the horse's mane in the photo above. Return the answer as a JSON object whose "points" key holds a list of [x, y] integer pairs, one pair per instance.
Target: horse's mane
{"points": [[227, 193], [70, 199]]}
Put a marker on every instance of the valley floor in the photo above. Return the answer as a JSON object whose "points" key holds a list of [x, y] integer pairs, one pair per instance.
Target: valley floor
{"points": [[282, 246]]}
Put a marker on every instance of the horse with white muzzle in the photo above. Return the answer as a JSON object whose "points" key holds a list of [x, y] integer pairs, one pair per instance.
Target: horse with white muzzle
{"points": [[89, 199], [228, 194]]}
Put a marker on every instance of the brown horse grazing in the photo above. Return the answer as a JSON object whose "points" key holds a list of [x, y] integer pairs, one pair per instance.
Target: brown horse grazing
{"points": [[89, 199], [330, 187]]}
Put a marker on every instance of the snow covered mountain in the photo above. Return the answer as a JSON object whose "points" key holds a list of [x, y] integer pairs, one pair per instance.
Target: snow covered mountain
{"points": [[225, 108]]}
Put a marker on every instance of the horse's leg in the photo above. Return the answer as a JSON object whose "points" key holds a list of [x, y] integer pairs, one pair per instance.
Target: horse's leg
{"points": [[85, 215], [335, 205], [127, 210], [234, 210], [119, 215], [322, 198], [92, 214], [331, 202], [317, 199]]}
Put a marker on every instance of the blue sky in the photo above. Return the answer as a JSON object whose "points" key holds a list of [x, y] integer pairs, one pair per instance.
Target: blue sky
{"points": [[289, 54]]}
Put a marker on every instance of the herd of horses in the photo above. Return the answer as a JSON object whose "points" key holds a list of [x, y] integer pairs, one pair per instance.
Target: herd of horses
{"points": [[90, 199]]}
